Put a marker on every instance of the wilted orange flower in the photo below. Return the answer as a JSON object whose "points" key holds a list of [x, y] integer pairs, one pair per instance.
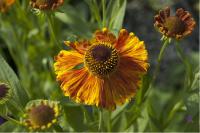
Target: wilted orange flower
{"points": [[178, 26], [5, 4], [46, 4], [41, 114], [111, 68]]}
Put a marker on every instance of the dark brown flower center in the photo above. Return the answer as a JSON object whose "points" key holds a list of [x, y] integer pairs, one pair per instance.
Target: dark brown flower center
{"points": [[101, 59], [41, 115], [175, 25], [3, 90], [101, 53]]}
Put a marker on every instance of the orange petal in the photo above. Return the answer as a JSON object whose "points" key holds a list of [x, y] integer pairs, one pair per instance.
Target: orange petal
{"points": [[121, 41], [80, 46], [119, 88], [72, 81], [104, 36], [134, 64], [89, 92], [66, 60]]}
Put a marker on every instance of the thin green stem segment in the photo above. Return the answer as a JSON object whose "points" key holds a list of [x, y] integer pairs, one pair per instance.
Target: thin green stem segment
{"points": [[51, 27], [185, 62], [104, 12], [100, 120], [160, 56]]}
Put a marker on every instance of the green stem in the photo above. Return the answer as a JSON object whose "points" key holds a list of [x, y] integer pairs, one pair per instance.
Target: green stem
{"points": [[100, 120], [160, 56], [172, 113], [104, 12], [51, 28], [12, 120], [185, 61]]}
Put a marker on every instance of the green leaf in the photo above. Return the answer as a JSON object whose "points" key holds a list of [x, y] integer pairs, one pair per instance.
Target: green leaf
{"points": [[93, 5], [154, 123], [71, 17], [141, 94], [132, 116], [119, 123], [10, 126], [3, 110], [8, 75], [75, 117], [117, 15], [195, 82]]}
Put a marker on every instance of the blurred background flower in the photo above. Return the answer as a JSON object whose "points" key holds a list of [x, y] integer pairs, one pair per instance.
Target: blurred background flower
{"points": [[5, 4]]}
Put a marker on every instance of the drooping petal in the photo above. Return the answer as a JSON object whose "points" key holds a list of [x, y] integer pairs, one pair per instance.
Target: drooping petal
{"points": [[186, 17], [80, 46], [89, 92], [97, 92], [121, 41], [119, 88], [83, 87], [65, 61], [133, 52], [72, 81], [104, 36]]}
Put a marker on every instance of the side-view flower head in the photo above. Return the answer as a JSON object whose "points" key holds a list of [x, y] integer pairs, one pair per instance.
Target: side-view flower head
{"points": [[46, 4], [41, 114], [5, 92], [111, 72], [5, 4], [178, 26]]}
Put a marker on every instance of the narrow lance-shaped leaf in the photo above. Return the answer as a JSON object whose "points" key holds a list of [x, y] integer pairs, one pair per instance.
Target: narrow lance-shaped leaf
{"points": [[118, 13], [8, 75]]}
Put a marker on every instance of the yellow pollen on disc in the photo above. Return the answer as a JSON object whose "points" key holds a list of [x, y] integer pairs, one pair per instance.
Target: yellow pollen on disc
{"points": [[101, 59]]}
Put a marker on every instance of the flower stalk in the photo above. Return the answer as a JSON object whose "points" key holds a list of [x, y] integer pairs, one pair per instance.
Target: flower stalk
{"points": [[51, 28], [166, 42], [185, 61]]}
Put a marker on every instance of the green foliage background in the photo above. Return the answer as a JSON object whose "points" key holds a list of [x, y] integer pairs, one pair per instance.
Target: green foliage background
{"points": [[29, 39]]}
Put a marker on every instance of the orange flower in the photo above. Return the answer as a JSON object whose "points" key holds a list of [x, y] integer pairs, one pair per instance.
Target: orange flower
{"points": [[46, 4], [111, 72], [178, 26], [5, 4]]}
